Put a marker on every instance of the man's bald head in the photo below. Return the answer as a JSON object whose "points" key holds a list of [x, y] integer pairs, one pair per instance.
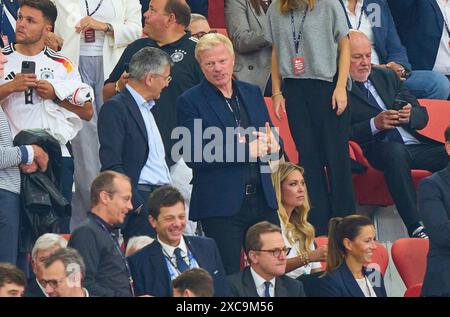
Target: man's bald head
{"points": [[360, 52]]}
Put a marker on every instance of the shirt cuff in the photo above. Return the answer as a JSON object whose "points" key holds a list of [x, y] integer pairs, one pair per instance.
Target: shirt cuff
{"points": [[373, 127], [27, 154]]}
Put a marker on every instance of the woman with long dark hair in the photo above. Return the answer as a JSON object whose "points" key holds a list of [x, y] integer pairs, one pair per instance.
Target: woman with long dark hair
{"points": [[351, 243], [311, 55]]}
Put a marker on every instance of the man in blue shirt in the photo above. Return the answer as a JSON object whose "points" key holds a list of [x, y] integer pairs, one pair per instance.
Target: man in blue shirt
{"points": [[130, 142]]}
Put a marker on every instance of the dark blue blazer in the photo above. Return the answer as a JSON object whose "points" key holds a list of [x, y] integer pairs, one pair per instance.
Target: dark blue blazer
{"points": [[123, 139], [341, 283], [151, 275], [419, 24], [7, 29], [218, 188], [434, 207]]}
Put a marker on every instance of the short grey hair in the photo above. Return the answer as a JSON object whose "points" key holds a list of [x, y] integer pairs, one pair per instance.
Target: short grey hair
{"points": [[47, 241], [138, 243], [197, 17], [148, 60], [71, 259]]}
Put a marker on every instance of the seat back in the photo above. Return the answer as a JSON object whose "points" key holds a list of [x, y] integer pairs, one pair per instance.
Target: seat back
{"points": [[284, 131], [410, 259], [216, 13], [414, 291], [438, 114]]}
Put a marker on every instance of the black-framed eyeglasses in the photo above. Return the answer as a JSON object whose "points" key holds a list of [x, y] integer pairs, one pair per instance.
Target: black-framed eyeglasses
{"points": [[277, 252], [52, 283], [200, 34]]}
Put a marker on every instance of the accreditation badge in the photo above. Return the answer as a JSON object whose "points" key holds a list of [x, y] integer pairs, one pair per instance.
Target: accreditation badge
{"points": [[298, 65], [89, 36]]}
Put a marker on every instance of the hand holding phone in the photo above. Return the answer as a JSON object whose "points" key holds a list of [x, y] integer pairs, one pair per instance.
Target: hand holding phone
{"points": [[26, 79]]}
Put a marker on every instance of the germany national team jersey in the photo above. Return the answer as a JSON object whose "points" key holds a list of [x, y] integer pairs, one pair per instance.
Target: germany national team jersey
{"points": [[24, 109]]}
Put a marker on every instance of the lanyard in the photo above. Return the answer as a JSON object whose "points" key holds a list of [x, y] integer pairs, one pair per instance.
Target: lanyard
{"points": [[87, 7], [119, 250], [237, 117], [298, 38], [173, 269], [350, 26], [447, 28]]}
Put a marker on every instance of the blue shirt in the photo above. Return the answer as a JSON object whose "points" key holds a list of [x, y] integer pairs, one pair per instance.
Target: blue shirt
{"points": [[155, 170]]}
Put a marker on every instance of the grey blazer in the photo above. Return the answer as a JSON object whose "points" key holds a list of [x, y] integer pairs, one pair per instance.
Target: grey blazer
{"points": [[253, 52], [243, 285]]}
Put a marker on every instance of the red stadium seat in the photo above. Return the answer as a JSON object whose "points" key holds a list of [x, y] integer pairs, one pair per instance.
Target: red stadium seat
{"points": [[216, 13], [439, 118], [410, 259], [285, 132], [414, 291]]}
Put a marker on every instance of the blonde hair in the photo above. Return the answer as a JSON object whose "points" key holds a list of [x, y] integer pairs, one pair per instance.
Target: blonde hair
{"points": [[210, 41], [296, 227], [288, 5]]}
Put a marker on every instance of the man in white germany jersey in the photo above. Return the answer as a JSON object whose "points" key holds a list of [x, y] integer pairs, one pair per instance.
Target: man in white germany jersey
{"points": [[28, 88]]}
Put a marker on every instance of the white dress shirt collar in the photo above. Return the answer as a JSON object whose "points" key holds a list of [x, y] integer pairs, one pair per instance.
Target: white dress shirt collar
{"points": [[260, 286]]}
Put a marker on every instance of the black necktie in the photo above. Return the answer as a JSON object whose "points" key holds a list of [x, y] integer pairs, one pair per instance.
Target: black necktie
{"points": [[181, 264], [392, 135]]}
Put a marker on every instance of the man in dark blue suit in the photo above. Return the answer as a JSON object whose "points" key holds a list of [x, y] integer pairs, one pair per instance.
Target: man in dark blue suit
{"points": [[130, 142], [156, 265], [385, 118], [374, 18], [434, 206], [424, 28], [232, 188]]}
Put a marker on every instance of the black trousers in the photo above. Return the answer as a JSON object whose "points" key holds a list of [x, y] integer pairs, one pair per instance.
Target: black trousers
{"points": [[229, 232], [137, 224], [396, 161], [321, 138]]}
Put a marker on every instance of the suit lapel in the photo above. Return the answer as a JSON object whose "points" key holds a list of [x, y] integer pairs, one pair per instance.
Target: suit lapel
{"points": [[157, 259], [200, 257], [350, 283], [357, 92], [135, 113], [218, 104], [280, 288], [382, 91], [249, 283]]}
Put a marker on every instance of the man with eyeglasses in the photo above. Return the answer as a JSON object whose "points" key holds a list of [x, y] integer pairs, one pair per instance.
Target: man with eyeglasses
{"points": [[199, 26], [63, 274], [165, 26], [130, 141], [266, 252], [97, 238]]}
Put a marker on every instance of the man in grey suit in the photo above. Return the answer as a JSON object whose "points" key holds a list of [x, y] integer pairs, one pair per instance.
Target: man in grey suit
{"points": [[266, 252]]}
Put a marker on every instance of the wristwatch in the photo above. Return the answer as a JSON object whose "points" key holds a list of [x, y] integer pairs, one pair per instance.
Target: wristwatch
{"points": [[110, 28]]}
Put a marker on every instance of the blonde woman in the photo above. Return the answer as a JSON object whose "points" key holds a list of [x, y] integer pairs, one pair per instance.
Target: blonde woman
{"points": [[298, 233]]}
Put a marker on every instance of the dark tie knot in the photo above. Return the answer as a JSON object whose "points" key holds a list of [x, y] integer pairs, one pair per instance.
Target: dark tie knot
{"points": [[181, 264], [267, 285]]}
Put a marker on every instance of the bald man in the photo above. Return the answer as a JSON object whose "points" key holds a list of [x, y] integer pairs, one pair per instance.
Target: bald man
{"points": [[385, 117]]}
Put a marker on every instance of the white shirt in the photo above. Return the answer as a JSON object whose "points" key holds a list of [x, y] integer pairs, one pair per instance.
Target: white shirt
{"points": [[155, 170], [365, 27], [306, 269], [50, 65], [406, 136], [442, 63], [260, 286], [366, 287], [104, 14], [169, 253]]}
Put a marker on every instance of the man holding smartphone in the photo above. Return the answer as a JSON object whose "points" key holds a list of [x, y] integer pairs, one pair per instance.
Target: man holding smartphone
{"points": [[385, 117], [30, 69]]}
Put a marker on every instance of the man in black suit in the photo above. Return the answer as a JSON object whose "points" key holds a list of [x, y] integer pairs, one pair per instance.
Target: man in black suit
{"points": [[266, 252], [385, 117], [157, 264], [434, 206], [130, 142]]}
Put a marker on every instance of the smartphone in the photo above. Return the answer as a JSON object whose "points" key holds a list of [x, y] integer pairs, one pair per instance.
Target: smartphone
{"points": [[399, 104], [28, 67]]}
